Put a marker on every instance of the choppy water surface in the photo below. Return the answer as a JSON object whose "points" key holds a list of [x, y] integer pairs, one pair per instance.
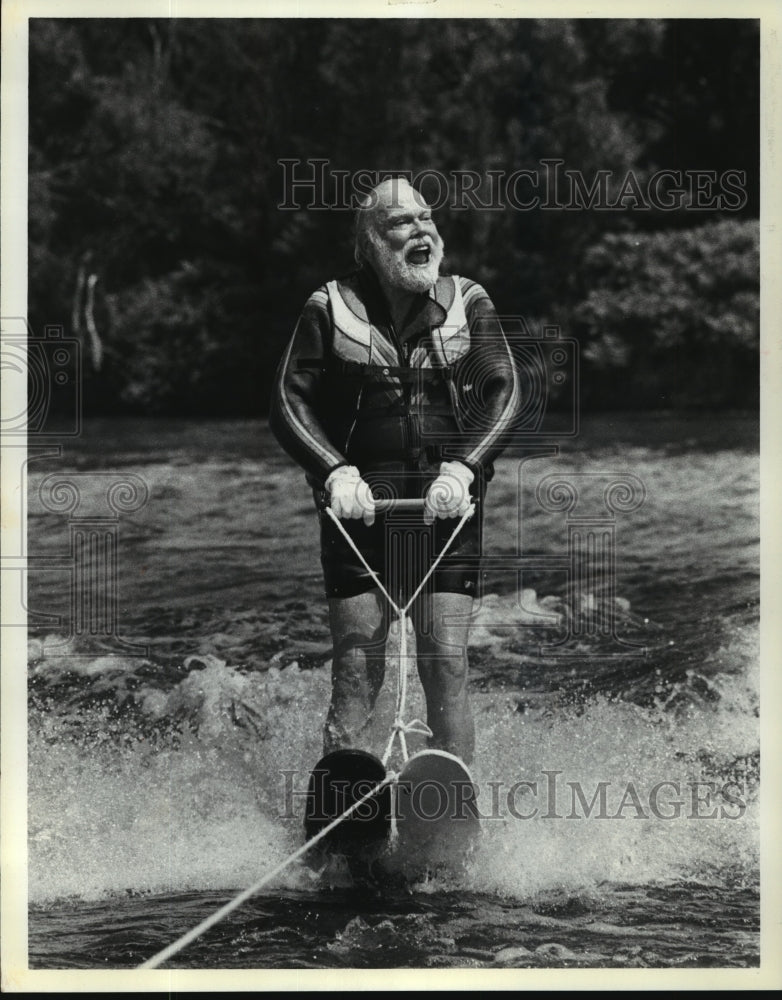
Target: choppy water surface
{"points": [[156, 783]]}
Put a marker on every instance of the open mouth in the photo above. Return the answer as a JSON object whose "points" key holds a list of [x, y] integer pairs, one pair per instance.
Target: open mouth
{"points": [[419, 255]]}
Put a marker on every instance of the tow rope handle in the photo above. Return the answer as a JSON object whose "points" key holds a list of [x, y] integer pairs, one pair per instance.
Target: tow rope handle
{"points": [[401, 503], [383, 505], [387, 505]]}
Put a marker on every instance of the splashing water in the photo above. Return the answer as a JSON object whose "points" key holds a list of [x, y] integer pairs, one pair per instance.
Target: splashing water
{"points": [[619, 795], [205, 790]]}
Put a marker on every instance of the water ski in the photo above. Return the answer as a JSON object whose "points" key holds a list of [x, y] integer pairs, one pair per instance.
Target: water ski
{"points": [[338, 781], [437, 813]]}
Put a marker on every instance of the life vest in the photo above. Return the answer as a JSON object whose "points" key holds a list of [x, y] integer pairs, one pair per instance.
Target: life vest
{"points": [[357, 341], [390, 403]]}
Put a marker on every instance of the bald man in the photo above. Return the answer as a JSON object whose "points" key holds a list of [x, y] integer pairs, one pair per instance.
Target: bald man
{"points": [[397, 381]]}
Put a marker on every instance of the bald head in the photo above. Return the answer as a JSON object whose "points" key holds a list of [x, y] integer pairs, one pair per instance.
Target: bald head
{"points": [[396, 235], [374, 206]]}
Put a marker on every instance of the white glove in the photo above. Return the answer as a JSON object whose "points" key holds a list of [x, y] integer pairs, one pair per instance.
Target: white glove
{"points": [[351, 497], [449, 494]]}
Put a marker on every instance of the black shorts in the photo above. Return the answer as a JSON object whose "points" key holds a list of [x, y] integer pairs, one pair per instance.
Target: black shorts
{"points": [[399, 547]]}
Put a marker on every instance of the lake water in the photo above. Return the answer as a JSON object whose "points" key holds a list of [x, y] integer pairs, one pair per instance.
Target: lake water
{"points": [[165, 759]]}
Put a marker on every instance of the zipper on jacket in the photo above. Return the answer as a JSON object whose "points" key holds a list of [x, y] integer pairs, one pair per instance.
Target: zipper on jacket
{"points": [[412, 427]]}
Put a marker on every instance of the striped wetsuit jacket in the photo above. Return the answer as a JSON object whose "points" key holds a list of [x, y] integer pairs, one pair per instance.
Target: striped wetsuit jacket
{"points": [[352, 389]]}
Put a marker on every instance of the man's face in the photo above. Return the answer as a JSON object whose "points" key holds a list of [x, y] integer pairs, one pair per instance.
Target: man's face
{"points": [[404, 246]]}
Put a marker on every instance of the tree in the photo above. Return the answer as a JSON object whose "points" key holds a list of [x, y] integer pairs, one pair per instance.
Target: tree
{"points": [[155, 173], [676, 314]]}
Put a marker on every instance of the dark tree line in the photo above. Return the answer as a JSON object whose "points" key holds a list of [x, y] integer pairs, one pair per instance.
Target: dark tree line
{"points": [[155, 180]]}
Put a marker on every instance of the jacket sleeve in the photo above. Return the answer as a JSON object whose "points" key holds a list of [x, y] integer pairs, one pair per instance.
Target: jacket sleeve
{"points": [[297, 394], [488, 384]]}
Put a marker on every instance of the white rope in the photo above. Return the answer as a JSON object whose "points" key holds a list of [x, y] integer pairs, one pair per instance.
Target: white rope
{"points": [[400, 728], [196, 932], [465, 517], [393, 833], [368, 568]]}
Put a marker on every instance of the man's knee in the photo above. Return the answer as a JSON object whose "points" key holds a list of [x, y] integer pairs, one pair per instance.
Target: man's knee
{"points": [[349, 658], [447, 667], [357, 664]]}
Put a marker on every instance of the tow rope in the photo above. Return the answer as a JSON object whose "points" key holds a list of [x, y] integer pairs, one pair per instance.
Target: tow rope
{"points": [[399, 730]]}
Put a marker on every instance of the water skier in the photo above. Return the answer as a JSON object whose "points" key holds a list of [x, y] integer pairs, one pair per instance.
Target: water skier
{"points": [[398, 379]]}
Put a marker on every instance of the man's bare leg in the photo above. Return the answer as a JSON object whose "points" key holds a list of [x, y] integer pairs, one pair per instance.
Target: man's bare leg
{"points": [[442, 667], [358, 631]]}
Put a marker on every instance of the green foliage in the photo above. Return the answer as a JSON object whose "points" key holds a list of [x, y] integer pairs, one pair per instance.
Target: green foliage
{"points": [[153, 164], [677, 311]]}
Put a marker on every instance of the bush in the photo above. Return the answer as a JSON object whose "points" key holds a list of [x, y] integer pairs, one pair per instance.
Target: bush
{"points": [[677, 312]]}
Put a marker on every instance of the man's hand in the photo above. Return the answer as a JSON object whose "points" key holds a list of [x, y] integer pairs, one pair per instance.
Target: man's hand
{"points": [[351, 497], [449, 494]]}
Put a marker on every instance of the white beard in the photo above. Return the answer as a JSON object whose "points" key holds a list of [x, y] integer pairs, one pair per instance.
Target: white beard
{"points": [[399, 273]]}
